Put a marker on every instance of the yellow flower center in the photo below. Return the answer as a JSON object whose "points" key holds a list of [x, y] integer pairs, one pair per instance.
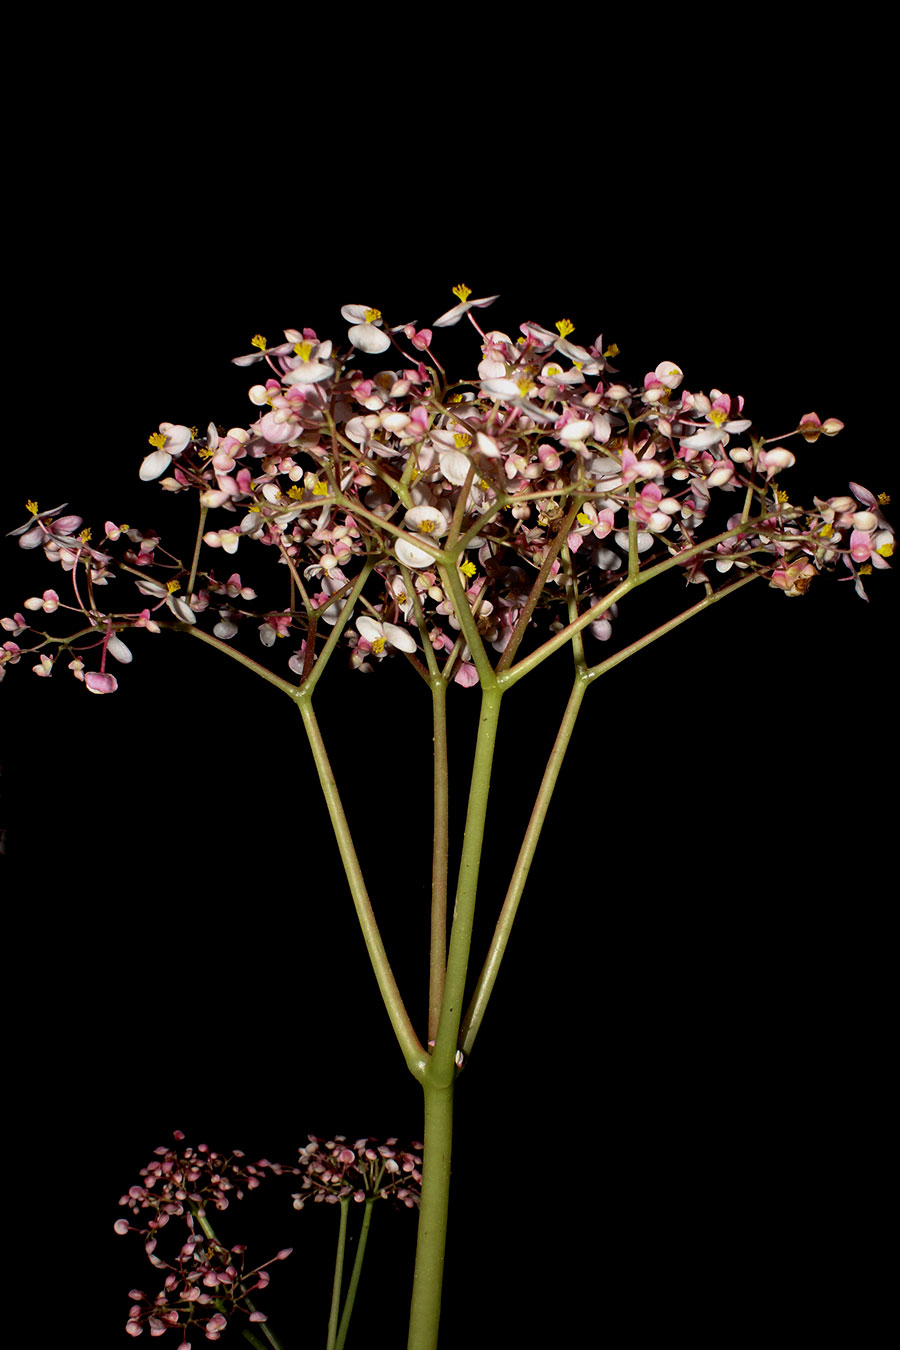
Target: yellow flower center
{"points": [[469, 568], [885, 550], [258, 341], [462, 292], [320, 489], [583, 519], [781, 495], [372, 315], [884, 499], [157, 440], [612, 349], [717, 416], [85, 536], [378, 646], [565, 327], [32, 507], [426, 526], [461, 439], [173, 586], [303, 349], [826, 531]]}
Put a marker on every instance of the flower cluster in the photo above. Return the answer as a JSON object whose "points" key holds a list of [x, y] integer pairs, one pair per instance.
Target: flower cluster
{"points": [[334, 1170], [396, 500], [206, 1284]]}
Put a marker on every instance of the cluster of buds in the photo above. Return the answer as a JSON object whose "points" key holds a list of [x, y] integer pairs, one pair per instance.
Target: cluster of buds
{"points": [[393, 498], [206, 1284], [334, 1170]]}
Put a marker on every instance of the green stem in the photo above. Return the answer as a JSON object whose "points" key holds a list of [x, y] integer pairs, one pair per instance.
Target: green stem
{"points": [[441, 1069], [196, 557], [338, 1277], [489, 972], [425, 1311], [354, 1275], [413, 1051], [583, 679], [440, 856]]}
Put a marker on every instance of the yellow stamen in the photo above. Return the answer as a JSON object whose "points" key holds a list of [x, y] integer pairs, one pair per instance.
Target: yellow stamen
{"points": [[296, 492], [426, 526], [173, 586], [85, 536], [565, 327], [826, 531], [461, 439], [378, 646], [372, 315], [462, 292], [583, 519], [718, 416], [885, 550], [612, 349], [157, 440], [320, 489], [865, 570], [258, 341], [469, 568], [884, 499], [32, 507], [781, 495], [303, 349]]}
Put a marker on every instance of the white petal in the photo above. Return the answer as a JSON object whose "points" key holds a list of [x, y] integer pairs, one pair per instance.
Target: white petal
{"points": [[411, 556], [399, 637], [368, 628], [154, 464], [368, 338]]}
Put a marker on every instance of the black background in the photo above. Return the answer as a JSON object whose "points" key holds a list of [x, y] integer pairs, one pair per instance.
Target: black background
{"points": [[675, 1114]]}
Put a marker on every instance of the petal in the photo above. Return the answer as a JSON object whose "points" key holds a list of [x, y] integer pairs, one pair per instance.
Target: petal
{"points": [[369, 628], [367, 338], [411, 556], [399, 637], [155, 464]]}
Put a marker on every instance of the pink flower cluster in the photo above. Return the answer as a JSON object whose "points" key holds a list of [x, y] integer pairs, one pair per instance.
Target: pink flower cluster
{"points": [[334, 1170], [544, 476], [206, 1284]]}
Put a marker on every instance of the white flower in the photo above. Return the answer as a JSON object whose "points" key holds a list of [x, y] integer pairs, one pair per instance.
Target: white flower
{"points": [[380, 635], [454, 315], [424, 520], [180, 608], [366, 332], [173, 440]]}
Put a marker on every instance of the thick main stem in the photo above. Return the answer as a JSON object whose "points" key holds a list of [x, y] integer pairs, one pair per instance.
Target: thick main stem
{"points": [[431, 1244], [441, 1068]]}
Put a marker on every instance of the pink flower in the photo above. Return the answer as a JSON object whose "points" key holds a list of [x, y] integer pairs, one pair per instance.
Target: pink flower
{"points": [[99, 683]]}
